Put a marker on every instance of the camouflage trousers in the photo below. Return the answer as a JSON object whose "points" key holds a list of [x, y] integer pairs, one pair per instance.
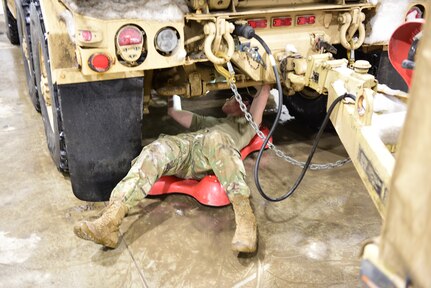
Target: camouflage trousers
{"points": [[189, 156]]}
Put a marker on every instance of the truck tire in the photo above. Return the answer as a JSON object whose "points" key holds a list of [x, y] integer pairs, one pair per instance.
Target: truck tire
{"points": [[23, 21], [308, 107], [11, 25], [49, 104], [93, 129]]}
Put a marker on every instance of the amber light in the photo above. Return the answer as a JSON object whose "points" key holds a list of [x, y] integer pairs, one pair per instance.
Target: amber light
{"points": [[304, 20], [281, 21], [257, 23], [99, 62]]}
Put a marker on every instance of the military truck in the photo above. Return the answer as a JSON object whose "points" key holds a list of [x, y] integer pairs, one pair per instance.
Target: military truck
{"points": [[92, 65]]}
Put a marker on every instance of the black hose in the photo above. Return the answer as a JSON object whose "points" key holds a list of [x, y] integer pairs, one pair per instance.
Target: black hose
{"points": [[277, 117], [310, 156], [265, 142]]}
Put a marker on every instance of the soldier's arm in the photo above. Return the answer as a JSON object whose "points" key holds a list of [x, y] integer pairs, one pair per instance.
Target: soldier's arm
{"points": [[259, 102], [184, 118]]}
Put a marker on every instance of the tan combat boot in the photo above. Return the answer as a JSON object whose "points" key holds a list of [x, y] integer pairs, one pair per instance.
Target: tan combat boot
{"points": [[103, 230], [245, 237]]}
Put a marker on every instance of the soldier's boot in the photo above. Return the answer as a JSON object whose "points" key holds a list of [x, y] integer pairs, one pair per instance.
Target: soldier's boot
{"points": [[245, 238], [103, 230]]}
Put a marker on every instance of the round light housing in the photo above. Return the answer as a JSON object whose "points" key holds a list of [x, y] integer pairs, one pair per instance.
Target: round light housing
{"points": [[129, 35], [99, 62], [167, 40], [130, 41]]}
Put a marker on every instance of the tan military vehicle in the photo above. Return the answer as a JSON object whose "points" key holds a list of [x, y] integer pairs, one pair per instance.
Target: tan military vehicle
{"points": [[91, 65]]}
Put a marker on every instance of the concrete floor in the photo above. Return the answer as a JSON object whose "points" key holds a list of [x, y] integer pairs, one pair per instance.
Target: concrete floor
{"points": [[313, 239]]}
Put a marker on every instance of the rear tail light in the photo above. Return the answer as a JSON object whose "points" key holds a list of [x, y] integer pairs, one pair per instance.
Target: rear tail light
{"points": [[129, 35], [99, 62], [88, 36], [305, 20], [257, 23], [129, 43], [281, 21]]}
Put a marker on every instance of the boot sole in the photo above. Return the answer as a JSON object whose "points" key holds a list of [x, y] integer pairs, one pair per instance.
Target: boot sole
{"points": [[245, 244], [84, 232], [238, 247]]}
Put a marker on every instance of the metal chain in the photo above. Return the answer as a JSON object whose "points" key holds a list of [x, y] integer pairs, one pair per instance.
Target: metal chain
{"points": [[271, 146]]}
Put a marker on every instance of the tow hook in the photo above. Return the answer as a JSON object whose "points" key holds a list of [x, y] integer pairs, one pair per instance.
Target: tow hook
{"points": [[214, 34]]}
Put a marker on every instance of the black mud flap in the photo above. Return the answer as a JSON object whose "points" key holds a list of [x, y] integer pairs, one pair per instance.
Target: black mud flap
{"points": [[102, 128]]}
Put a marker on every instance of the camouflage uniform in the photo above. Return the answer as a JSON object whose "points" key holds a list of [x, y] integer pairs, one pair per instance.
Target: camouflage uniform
{"points": [[215, 148]]}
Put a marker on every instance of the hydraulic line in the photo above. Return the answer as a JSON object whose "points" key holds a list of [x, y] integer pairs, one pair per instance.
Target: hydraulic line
{"points": [[248, 32]]}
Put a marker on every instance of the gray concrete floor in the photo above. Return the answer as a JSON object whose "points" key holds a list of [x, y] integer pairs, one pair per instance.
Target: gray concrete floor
{"points": [[313, 239]]}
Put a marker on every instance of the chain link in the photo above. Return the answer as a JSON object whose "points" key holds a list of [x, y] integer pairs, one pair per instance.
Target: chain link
{"points": [[278, 152]]}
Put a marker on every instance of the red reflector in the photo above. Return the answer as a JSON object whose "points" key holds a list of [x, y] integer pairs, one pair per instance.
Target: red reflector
{"points": [[129, 35], [86, 35], [311, 19], [282, 21], [257, 23], [99, 62], [303, 20]]}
